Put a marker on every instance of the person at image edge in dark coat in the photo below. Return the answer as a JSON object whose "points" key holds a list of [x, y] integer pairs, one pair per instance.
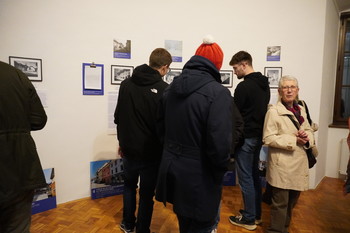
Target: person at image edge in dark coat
{"points": [[21, 112]]}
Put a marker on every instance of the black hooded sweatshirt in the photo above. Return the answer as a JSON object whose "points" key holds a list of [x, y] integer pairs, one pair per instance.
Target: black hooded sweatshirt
{"points": [[136, 112], [252, 97]]}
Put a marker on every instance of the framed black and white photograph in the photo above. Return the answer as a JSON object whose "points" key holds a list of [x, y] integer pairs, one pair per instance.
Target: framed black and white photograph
{"points": [[32, 67], [274, 74], [226, 78], [169, 77], [120, 73]]}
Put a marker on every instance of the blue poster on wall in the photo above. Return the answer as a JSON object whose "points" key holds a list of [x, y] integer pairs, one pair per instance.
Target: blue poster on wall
{"points": [[93, 75], [106, 178], [122, 48], [45, 198], [174, 47], [273, 53]]}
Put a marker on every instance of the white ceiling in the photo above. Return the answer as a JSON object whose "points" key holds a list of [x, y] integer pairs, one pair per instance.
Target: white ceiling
{"points": [[343, 4]]}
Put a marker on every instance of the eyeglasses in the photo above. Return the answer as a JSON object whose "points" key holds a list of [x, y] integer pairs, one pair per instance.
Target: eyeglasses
{"points": [[286, 88], [169, 70]]}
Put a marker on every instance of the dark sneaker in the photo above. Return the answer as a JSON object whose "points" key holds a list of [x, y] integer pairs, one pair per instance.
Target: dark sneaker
{"points": [[125, 229], [241, 222]]}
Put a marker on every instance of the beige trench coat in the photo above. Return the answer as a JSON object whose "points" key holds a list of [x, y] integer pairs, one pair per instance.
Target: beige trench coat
{"points": [[287, 165]]}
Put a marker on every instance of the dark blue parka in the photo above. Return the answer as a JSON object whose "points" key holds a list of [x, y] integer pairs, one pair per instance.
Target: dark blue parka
{"points": [[197, 124]]}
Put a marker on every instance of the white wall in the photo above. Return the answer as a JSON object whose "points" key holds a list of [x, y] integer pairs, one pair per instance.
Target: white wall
{"points": [[64, 34], [326, 160]]}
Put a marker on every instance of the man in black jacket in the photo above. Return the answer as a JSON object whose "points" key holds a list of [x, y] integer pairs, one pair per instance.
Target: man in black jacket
{"points": [[20, 112], [139, 145], [252, 96]]}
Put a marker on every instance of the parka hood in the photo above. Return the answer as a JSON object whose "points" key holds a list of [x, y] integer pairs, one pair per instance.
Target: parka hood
{"points": [[197, 72]]}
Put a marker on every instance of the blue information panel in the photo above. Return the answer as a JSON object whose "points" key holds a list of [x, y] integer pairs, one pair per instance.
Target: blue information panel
{"points": [[93, 79]]}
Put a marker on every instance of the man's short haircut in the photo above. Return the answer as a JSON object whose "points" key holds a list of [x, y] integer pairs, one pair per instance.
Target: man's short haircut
{"points": [[240, 57], [159, 57]]}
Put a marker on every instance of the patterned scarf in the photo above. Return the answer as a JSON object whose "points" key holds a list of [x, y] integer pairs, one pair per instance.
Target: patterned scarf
{"points": [[296, 111]]}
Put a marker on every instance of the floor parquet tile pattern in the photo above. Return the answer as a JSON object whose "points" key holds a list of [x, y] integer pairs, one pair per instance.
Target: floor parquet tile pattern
{"points": [[322, 210]]}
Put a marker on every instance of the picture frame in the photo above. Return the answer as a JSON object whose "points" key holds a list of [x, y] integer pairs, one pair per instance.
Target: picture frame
{"points": [[226, 78], [119, 73], [169, 77], [32, 67], [273, 74], [273, 53]]}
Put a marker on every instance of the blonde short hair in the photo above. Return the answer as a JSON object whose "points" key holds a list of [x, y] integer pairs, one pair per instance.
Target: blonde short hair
{"points": [[287, 78]]}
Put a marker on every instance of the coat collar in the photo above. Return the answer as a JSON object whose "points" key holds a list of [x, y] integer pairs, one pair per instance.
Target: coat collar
{"points": [[281, 109]]}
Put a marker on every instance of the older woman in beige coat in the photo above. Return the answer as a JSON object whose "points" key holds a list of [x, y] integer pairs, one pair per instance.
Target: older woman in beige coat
{"points": [[287, 170]]}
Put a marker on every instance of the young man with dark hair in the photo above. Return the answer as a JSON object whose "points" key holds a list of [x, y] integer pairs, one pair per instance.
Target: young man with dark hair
{"points": [[139, 146], [251, 96]]}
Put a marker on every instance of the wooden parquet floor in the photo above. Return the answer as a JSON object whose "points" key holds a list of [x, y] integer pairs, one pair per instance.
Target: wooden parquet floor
{"points": [[323, 210]]}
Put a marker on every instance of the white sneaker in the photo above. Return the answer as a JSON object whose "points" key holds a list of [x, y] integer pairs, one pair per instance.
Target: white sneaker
{"points": [[258, 221]]}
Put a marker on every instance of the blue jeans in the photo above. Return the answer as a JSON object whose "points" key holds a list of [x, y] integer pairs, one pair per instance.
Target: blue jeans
{"points": [[247, 162], [147, 172]]}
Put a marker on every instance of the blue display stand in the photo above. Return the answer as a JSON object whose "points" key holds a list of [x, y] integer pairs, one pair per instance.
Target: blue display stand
{"points": [[230, 178]]}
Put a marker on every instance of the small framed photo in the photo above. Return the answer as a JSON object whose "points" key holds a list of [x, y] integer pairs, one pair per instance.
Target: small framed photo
{"points": [[274, 74], [273, 53], [226, 78], [120, 73], [169, 77], [32, 67]]}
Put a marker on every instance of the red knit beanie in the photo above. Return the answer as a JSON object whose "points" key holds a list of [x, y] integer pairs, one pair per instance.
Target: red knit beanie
{"points": [[211, 50]]}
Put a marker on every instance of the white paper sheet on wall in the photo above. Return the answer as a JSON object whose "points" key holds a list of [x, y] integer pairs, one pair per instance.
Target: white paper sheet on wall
{"points": [[43, 97], [112, 103], [274, 96], [93, 78]]}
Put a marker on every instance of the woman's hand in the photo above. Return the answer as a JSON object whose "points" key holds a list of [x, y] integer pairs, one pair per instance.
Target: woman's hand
{"points": [[302, 137]]}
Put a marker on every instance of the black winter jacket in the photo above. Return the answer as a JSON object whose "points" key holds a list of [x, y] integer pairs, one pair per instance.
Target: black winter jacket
{"points": [[197, 118], [252, 97], [237, 128], [20, 112], [136, 113]]}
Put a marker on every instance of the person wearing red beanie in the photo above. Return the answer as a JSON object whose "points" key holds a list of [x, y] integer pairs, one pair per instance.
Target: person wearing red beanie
{"points": [[196, 124]]}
